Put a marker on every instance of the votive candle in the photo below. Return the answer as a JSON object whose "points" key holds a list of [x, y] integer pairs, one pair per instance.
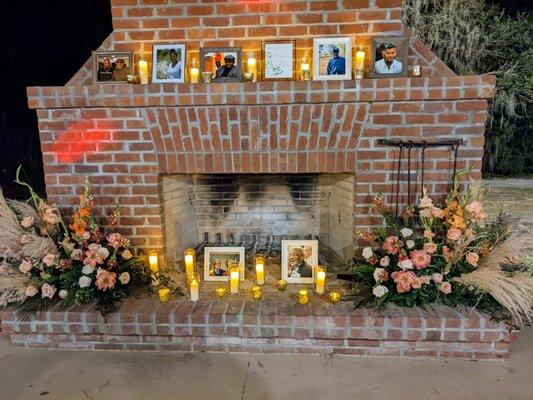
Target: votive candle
{"points": [[303, 296], [281, 284], [220, 292], [360, 59], [256, 293], [335, 297], [164, 295]]}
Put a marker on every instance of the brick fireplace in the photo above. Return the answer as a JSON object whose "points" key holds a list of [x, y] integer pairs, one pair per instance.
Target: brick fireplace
{"points": [[267, 159]]}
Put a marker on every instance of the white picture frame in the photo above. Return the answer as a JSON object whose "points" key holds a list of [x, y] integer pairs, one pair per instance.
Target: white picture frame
{"points": [[278, 62], [224, 254], [162, 69], [311, 261], [323, 54]]}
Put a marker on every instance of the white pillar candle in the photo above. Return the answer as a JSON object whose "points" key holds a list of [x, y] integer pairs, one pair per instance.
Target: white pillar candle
{"points": [[320, 282], [143, 71], [234, 282], [194, 288]]}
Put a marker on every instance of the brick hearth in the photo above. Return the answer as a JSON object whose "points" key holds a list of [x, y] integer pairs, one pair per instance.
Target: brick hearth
{"points": [[279, 325]]}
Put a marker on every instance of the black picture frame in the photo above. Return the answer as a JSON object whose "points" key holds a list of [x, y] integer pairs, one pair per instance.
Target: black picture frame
{"points": [[403, 57]]}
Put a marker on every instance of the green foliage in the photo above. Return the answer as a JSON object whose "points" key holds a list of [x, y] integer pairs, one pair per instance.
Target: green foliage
{"points": [[474, 37]]}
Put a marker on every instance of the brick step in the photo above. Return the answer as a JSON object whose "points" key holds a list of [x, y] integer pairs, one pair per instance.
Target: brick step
{"points": [[267, 326]]}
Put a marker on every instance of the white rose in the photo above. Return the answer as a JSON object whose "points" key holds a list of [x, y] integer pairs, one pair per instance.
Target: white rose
{"points": [[31, 291], [437, 277], [380, 291], [87, 269], [367, 253], [124, 278], [406, 232], [27, 222], [378, 274], [84, 281], [62, 294], [25, 266], [406, 264], [48, 291], [126, 254], [103, 252], [385, 261], [76, 254], [410, 244]]}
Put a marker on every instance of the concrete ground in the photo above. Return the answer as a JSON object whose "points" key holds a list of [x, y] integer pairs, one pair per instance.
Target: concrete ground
{"points": [[100, 375]]}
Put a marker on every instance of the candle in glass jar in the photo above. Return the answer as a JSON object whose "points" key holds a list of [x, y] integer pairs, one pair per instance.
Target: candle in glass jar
{"points": [[305, 70], [143, 71], [281, 284], [256, 293], [320, 285], [260, 269], [189, 261], [153, 262], [234, 281], [252, 66], [417, 70], [194, 289], [164, 295], [335, 297], [195, 72], [220, 292], [360, 59]]}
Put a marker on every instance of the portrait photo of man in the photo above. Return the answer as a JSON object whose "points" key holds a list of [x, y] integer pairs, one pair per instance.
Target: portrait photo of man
{"points": [[389, 57], [216, 268], [121, 71], [298, 268], [337, 64], [105, 70], [112, 67], [229, 69], [388, 64]]}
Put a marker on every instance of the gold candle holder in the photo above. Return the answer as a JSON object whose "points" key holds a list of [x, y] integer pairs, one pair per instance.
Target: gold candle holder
{"points": [[281, 285], [190, 261], [303, 296], [335, 297], [164, 295], [220, 292], [257, 293], [207, 76]]}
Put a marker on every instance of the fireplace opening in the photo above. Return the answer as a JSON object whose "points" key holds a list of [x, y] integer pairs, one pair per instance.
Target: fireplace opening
{"points": [[232, 208]]}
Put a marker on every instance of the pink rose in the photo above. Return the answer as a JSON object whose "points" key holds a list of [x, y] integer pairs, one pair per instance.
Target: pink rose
{"points": [[385, 261], [392, 244], [430, 247], [105, 280], [476, 209], [47, 291], [416, 283], [420, 258], [472, 258], [115, 240], [403, 280], [425, 279], [27, 222], [445, 287], [25, 266], [49, 259], [31, 291], [453, 234]]}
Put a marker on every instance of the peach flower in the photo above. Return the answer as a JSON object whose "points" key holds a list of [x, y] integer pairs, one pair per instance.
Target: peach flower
{"points": [[403, 280], [27, 222], [25, 266], [385, 261], [430, 247], [476, 209], [425, 279], [49, 259], [428, 234], [416, 283], [453, 234], [445, 287], [48, 291], [420, 258], [105, 280], [392, 244], [472, 258], [31, 291]]}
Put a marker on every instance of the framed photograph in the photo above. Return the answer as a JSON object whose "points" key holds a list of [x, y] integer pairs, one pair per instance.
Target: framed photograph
{"points": [[224, 63], [389, 57], [278, 60], [112, 66], [332, 58], [168, 63], [298, 260], [217, 261]]}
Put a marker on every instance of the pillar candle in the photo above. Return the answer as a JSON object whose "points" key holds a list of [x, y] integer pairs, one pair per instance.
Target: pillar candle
{"points": [[260, 270], [234, 282], [143, 71], [189, 261], [305, 70], [360, 59], [320, 282], [252, 66], [153, 262], [195, 75], [194, 289]]}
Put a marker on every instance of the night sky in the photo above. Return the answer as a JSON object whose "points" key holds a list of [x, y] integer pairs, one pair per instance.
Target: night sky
{"points": [[44, 43]]}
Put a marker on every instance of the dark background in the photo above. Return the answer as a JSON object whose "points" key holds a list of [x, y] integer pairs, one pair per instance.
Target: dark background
{"points": [[44, 43]]}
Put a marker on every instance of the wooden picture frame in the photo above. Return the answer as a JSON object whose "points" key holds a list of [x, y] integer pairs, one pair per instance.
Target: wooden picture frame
{"points": [[111, 75], [272, 65], [211, 65], [402, 50]]}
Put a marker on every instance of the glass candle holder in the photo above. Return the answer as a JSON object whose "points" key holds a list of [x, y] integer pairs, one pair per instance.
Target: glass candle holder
{"points": [[194, 73], [257, 293], [143, 71], [260, 269], [153, 262], [305, 69], [190, 261], [335, 297], [281, 285], [220, 292], [303, 296], [417, 70], [164, 295], [360, 58], [234, 276], [194, 287], [207, 76], [320, 279], [252, 65]]}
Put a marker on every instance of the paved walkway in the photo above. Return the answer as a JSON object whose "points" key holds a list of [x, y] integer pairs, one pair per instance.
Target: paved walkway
{"points": [[70, 375]]}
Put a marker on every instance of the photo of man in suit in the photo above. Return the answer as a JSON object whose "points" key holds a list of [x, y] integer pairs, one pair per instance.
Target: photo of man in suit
{"points": [[298, 268]]}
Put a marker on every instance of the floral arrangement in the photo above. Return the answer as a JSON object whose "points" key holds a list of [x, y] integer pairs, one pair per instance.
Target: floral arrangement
{"points": [[42, 260], [450, 254]]}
